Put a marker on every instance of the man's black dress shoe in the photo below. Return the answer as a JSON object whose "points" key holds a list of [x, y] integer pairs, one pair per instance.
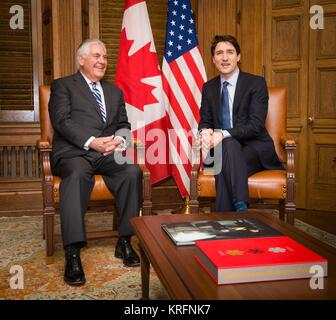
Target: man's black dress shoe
{"points": [[125, 251], [73, 274]]}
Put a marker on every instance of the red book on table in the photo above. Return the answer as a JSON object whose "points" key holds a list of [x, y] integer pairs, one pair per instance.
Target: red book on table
{"points": [[258, 259]]}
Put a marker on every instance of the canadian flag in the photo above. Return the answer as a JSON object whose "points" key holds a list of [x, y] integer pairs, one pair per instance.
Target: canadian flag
{"points": [[138, 75]]}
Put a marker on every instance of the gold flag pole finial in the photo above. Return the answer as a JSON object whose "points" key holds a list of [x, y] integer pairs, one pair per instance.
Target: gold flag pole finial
{"points": [[185, 208]]}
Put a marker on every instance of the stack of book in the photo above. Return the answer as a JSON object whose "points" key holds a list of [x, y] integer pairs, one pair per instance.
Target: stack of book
{"points": [[245, 250], [186, 233], [262, 259]]}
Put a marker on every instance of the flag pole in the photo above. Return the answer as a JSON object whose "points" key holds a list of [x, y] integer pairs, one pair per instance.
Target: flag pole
{"points": [[185, 208]]}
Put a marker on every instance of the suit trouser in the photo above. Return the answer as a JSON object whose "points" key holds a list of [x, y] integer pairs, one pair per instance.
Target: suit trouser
{"points": [[238, 163], [123, 180]]}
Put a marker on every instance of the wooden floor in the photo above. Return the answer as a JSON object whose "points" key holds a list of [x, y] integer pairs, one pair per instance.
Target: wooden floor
{"points": [[320, 219]]}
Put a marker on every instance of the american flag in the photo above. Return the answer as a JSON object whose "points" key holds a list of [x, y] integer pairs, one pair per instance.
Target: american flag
{"points": [[183, 75]]}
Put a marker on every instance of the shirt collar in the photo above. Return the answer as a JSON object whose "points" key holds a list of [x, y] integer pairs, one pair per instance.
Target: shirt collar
{"points": [[233, 79], [89, 81]]}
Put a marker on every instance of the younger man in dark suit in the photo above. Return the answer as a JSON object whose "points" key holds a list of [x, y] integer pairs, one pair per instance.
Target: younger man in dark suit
{"points": [[90, 128], [233, 113]]}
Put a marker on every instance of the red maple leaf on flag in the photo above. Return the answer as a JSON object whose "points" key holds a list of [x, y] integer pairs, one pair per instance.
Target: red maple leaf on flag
{"points": [[133, 69]]}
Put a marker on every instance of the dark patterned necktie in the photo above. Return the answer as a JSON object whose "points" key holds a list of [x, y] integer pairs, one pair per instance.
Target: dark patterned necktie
{"points": [[226, 119], [98, 97]]}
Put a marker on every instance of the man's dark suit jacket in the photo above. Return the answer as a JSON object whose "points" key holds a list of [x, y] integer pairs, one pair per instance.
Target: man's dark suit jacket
{"points": [[75, 115], [250, 107]]}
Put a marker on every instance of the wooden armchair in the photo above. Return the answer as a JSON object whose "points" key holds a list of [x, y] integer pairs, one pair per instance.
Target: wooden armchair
{"points": [[267, 184], [51, 184]]}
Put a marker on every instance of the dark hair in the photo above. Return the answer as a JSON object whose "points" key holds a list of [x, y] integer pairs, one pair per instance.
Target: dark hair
{"points": [[225, 38]]}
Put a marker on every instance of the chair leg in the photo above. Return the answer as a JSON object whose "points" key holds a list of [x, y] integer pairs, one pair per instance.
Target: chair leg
{"points": [[290, 206], [44, 225], [147, 195], [287, 211], [290, 211], [282, 209], [147, 209], [49, 232], [194, 206], [193, 196]]}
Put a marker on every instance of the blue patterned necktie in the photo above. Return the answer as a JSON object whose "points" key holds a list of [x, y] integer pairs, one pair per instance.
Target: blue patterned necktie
{"points": [[226, 119], [98, 97]]}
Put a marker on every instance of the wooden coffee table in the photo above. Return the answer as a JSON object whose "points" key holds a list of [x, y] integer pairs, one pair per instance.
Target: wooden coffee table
{"points": [[183, 278]]}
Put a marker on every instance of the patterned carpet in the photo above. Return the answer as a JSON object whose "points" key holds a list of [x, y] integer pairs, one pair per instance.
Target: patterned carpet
{"points": [[21, 244]]}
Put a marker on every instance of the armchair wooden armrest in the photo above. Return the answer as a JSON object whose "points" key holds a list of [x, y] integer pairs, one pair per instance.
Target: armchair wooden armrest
{"points": [[290, 146], [43, 145], [45, 149], [288, 142]]}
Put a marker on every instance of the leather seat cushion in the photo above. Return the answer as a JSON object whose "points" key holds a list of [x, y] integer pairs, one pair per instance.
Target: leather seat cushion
{"points": [[99, 192], [267, 184]]}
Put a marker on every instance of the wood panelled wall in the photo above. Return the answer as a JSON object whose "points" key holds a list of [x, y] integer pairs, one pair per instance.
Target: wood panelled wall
{"points": [[276, 41], [303, 60], [321, 115], [63, 25], [62, 34], [214, 17], [47, 39], [286, 55], [241, 18], [19, 167], [111, 13], [16, 62], [250, 21]]}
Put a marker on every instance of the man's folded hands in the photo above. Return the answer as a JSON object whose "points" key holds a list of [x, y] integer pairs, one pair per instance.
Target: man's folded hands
{"points": [[107, 145]]}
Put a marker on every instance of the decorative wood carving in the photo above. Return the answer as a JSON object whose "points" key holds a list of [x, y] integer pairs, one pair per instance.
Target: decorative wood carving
{"points": [[289, 78], [278, 4], [286, 38], [326, 45], [326, 93]]}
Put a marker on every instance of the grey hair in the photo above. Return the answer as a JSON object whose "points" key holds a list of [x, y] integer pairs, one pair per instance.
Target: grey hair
{"points": [[84, 48]]}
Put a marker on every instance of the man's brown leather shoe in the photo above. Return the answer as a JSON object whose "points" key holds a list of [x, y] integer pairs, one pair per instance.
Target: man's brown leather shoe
{"points": [[125, 251]]}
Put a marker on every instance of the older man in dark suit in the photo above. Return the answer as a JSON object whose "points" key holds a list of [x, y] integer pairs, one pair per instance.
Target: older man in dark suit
{"points": [[91, 128], [233, 113]]}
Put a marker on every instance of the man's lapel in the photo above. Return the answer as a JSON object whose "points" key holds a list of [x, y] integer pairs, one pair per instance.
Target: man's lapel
{"points": [[108, 99], [216, 93], [240, 89], [85, 89]]}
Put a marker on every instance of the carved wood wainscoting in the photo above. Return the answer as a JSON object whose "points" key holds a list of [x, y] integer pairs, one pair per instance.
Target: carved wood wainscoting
{"points": [[20, 183]]}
